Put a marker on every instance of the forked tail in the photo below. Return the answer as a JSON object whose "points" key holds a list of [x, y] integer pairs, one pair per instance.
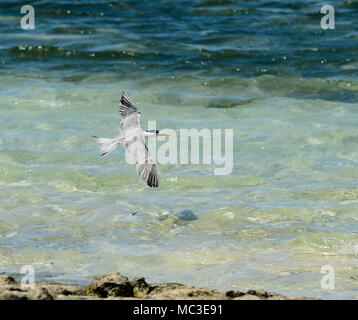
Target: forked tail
{"points": [[106, 145]]}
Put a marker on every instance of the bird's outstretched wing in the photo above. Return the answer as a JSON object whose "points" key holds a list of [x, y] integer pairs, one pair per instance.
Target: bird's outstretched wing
{"points": [[127, 106], [146, 166], [130, 116]]}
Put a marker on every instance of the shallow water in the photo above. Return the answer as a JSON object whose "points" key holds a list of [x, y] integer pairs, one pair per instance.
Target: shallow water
{"points": [[266, 69]]}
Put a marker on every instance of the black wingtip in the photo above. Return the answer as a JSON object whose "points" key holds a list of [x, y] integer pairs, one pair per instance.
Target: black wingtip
{"points": [[154, 186], [153, 182]]}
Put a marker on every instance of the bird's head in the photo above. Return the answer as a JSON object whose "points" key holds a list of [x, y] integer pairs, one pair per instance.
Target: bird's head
{"points": [[153, 133]]}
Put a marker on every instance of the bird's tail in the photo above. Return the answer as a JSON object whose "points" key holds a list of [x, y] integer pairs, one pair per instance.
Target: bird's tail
{"points": [[106, 145]]}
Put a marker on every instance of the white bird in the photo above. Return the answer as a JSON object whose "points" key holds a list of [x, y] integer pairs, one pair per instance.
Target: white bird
{"points": [[132, 137]]}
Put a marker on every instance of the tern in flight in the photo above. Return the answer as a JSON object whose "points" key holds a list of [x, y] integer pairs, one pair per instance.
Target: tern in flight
{"points": [[131, 136]]}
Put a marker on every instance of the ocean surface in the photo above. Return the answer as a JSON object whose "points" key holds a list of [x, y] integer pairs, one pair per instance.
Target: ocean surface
{"points": [[265, 69]]}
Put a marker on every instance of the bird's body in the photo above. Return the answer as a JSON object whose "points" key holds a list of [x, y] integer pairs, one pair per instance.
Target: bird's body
{"points": [[132, 137]]}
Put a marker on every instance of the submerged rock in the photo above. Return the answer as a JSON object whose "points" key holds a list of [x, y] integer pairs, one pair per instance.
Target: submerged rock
{"points": [[117, 286], [39, 293], [7, 280], [113, 285], [12, 290], [140, 287], [186, 215]]}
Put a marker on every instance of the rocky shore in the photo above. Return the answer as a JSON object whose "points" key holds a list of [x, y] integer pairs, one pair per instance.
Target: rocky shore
{"points": [[116, 286]]}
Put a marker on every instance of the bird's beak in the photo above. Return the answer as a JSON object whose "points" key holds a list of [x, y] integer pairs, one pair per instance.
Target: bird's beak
{"points": [[164, 134]]}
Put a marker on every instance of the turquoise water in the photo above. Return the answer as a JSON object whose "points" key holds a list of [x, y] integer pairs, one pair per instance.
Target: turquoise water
{"points": [[265, 69]]}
